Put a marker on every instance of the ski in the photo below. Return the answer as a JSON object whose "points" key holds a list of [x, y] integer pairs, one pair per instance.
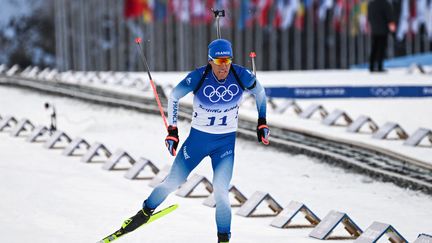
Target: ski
{"points": [[119, 233]]}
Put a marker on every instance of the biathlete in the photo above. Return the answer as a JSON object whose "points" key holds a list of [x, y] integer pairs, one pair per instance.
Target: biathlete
{"points": [[218, 88]]}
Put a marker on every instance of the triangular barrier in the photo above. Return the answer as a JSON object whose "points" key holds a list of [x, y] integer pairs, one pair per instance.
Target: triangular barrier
{"points": [[116, 158], [249, 207], [377, 230], [270, 102], [387, 128], [36, 133], [160, 176], [139, 166], [58, 136], [94, 78], [13, 70], [423, 238], [416, 68], [283, 220], [360, 122], [33, 72], [74, 145], [7, 122], [418, 136], [2, 68], [140, 84], [333, 118], [160, 90], [189, 186], [95, 150], [25, 71], [323, 230], [238, 196], [52, 75], [24, 125], [88, 77], [286, 105], [119, 78], [312, 109], [43, 73]]}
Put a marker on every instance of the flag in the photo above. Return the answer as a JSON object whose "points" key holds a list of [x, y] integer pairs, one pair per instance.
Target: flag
{"points": [[300, 15], [209, 16], [148, 6], [263, 9], [289, 13], [355, 18], [277, 20], [160, 10], [340, 15], [407, 17], [133, 8], [363, 22], [179, 9], [308, 3], [429, 20], [403, 21], [421, 14], [324, 7], [197, 11], [246, 14]]}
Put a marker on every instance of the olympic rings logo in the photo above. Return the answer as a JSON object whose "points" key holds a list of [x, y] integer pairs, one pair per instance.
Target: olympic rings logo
{"points": [[384, 91], [221, 92]]}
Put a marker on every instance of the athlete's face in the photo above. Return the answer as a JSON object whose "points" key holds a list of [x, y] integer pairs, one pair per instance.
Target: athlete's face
{"points": [[221, 67]]}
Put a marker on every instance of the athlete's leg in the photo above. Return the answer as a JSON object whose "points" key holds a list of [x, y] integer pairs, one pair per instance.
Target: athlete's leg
{"points": [[223, 162], [188, 157]]}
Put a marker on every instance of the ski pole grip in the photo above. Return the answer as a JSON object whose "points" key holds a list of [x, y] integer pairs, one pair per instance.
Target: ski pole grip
{"points": [[218, 13]]}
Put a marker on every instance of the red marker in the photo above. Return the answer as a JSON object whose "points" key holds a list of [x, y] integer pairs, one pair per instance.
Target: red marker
{"points": [[138, 40], [252, 54]]}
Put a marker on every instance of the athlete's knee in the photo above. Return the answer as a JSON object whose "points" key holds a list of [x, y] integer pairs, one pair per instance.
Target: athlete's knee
{"points": [[221, 194], [171, 184]]}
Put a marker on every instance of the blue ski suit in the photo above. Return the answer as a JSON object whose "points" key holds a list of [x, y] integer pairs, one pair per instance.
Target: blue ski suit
{"points": [[213, 133]]}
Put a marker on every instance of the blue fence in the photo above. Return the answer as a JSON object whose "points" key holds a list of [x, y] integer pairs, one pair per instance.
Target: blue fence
{"points": [[349, 92]]}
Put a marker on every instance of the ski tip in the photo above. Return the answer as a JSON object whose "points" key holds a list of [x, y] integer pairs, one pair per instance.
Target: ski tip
{"points": [[174, 206]]}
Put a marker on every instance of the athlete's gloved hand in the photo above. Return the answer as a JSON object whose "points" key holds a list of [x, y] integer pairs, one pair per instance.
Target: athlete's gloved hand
{"points": [[263, 131], [172, 140]]}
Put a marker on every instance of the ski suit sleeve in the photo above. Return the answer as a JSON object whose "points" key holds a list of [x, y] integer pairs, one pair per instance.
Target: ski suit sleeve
{"points": [[256, 89], [185, 86], [260, 98]]}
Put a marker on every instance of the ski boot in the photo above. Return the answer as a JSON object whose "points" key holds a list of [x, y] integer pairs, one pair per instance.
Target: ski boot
{"points": [[140, 218], [223, 237]]}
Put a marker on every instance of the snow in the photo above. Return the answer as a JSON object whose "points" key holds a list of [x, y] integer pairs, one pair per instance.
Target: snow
{"points": [[48, 197]]}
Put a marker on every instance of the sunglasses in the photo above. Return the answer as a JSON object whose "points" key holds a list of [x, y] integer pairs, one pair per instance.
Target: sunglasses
{"points": [[220, 61]]}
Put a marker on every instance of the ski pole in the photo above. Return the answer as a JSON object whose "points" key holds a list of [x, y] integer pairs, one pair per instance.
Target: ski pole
{"points": [[144, 60], [252, 55], [218, 14]]}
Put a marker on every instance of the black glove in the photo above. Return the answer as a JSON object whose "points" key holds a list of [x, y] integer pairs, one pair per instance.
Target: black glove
{"points": [[263, 131], [172, 140]]}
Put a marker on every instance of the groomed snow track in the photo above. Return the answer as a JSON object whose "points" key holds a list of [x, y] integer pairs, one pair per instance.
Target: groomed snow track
{"points": [[363, 158]]}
